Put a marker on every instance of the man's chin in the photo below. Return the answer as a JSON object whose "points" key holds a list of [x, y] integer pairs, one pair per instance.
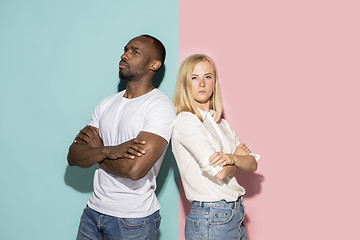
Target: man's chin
{"points": [[123, 76]]}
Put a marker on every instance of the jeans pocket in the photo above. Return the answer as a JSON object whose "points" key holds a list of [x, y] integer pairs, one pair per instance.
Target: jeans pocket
{"points": [[191, 229], [221, 215], [134, 222], [157, 221]]}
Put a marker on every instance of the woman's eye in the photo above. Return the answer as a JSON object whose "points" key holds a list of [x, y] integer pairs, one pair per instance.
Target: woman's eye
{"points": [[193, 78]]}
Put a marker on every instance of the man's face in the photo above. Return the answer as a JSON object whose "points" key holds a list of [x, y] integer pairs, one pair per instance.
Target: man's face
{"points": [[136, 59]]}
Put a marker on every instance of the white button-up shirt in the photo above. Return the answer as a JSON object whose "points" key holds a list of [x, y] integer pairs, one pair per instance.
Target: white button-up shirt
{"points": [[193, 142]]}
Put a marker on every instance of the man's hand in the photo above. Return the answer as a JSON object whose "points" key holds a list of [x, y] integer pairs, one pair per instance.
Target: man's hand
{"points": [[146, 151], [87, 149], [89, 135], [129, 149]]}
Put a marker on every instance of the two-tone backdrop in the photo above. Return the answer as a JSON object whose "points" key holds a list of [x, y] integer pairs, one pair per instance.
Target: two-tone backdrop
{"points": [[289, 73]]}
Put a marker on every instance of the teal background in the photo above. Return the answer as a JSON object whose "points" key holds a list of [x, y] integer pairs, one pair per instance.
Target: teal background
{"points": [[58, 59]]}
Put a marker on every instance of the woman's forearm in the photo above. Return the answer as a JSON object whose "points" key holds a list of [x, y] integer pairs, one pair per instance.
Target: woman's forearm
{"points": [[245, 162], [227, 171]]}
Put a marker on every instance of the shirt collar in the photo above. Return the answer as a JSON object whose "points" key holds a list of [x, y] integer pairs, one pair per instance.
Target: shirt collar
{"points": [[204, 114]]}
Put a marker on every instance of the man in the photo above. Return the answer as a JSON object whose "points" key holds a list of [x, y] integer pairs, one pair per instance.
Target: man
{"points": [[127, 137]]}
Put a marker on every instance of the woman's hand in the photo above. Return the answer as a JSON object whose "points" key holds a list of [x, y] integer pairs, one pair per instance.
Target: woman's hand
{"points": [[241, 159], [242, 149], [221, 159]]}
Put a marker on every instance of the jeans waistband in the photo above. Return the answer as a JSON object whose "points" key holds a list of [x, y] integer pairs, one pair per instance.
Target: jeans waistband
{"points": [[221, 203]]}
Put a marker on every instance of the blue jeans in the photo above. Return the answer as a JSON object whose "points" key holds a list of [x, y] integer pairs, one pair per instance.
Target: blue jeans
{"points": [[216, 220], [94, 225]]}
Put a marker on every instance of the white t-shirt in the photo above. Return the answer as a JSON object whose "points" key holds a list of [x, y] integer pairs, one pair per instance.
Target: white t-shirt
{"points": [[120, 119], [193, 142]]}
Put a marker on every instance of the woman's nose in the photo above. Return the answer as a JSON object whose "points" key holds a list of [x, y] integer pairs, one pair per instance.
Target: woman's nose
{"points": [[201, 82]]}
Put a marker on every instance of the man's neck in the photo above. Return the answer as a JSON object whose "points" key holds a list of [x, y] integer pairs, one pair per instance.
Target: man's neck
{"points": [[137, 88]]}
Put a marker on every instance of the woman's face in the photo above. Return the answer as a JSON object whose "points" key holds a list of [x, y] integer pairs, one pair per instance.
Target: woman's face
{"points": [[202, 84]]}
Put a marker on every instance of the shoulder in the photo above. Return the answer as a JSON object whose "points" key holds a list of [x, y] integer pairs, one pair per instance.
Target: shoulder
{"points": [[186, 117], [158, 98], [112, 98], [156, 94], [157, 106], [106, 102], [186, 121]]}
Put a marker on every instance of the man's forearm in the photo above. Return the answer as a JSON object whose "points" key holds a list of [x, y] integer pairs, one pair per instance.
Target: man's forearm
{"points": [[138, 166], [135, 168], [83, 155], [119, 167]]}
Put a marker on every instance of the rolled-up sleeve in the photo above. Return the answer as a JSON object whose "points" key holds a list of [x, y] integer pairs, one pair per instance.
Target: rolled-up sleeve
{"points": [[189, 132]]}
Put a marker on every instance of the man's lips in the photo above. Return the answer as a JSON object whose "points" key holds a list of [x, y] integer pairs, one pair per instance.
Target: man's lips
{"points": [[122, 65]]}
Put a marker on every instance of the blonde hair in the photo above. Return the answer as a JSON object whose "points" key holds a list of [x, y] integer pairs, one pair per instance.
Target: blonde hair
{"points": [[184, 99]]}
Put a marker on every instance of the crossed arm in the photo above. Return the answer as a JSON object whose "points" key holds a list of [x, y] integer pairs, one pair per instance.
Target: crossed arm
{"points": [[230, 162], [132, 159]]}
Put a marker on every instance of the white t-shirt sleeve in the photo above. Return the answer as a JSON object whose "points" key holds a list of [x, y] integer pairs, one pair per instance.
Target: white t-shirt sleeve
{"points": [[160, 118], [189, 132], [99, 110]]}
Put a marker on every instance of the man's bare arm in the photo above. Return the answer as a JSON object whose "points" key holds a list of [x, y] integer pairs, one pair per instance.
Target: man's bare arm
{"points": [[87, 149], [139, 166]]}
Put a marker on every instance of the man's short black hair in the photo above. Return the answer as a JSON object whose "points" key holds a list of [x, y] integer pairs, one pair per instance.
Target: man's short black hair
{"points": [[161, 52]]}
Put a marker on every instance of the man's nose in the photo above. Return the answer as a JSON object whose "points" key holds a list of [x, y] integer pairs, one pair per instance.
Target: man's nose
{"points": [[125, 56]]}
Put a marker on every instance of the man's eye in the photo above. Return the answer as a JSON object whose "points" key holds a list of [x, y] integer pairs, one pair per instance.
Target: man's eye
{"points": [[136, 52]]}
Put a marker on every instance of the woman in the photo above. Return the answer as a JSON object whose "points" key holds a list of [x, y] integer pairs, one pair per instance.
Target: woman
{"points": [[208, 153]]}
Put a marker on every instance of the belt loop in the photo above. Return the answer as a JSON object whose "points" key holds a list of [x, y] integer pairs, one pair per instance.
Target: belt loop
{"points": [[238, 202], [197, 203]]}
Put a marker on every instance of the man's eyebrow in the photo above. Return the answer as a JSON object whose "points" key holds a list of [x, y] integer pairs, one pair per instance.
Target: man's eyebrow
{"points": [[131, 46], [134, 46]]}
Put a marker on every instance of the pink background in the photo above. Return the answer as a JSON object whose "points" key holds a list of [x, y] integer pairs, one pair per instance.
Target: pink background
{"points": [[290, 77]]}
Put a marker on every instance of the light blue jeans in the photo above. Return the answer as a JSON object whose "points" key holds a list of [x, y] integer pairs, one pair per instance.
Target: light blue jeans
{"points": [[94, 225], [216, 220]]}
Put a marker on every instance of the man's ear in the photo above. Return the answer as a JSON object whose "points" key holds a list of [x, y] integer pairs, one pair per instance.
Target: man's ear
{"points": [[155, 65]]}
